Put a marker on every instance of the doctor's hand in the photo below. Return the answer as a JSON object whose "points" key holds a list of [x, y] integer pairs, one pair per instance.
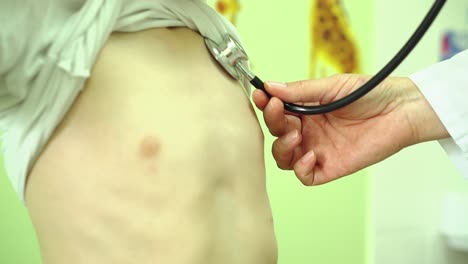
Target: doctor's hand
{"points": [[323, 148]]}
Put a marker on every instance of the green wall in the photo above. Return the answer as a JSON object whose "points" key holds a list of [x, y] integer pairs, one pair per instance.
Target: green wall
{"points": [[18, 244], [327, 224]]}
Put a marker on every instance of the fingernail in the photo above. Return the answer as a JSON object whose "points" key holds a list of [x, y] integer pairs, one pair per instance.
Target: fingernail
{"points": [[277, 85], [307, 159], [289, 138]]}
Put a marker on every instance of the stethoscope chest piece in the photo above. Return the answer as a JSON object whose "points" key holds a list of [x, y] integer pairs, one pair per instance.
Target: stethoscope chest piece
{"points": [[229, 53]]}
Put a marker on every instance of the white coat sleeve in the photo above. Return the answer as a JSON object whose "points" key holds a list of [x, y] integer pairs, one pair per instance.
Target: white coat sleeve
{"points": [[445, 85]]}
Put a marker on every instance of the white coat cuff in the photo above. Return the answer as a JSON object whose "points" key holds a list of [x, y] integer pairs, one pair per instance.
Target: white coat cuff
{"points": [[444, 86]]}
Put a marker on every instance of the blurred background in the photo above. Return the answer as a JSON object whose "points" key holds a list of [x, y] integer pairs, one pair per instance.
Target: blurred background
{"points": [[406, 209]]}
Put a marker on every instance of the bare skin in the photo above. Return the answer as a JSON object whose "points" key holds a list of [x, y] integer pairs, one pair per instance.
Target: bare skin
{"points": [[326, 147], [160, 160]]}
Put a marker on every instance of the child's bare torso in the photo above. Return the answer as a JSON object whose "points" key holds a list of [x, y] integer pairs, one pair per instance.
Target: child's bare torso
{"points": [[160, 160]]}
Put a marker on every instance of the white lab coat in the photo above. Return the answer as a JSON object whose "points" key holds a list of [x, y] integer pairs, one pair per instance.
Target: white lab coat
{"points": [[445, 85]]}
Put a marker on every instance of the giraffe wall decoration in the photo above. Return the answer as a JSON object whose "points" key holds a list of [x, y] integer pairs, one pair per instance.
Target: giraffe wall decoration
{"points": [[333, 48]]}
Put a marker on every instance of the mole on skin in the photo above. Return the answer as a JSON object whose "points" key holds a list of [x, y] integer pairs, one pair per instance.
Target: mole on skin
{"points": [[149, 147]]}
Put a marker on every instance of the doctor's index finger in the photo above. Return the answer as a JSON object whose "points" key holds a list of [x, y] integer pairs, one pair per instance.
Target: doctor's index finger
{"points": [[260, 99], [274, 117], [278, 122]]}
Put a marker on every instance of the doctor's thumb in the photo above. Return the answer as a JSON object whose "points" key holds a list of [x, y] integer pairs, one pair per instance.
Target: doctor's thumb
{"points": [[300, 91]]}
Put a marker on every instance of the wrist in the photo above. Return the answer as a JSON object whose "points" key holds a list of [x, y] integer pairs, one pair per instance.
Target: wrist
{"points": [[423, 120]]}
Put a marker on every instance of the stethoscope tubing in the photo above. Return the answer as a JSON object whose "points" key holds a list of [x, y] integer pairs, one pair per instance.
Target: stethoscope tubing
{"points": [[374, 81]]}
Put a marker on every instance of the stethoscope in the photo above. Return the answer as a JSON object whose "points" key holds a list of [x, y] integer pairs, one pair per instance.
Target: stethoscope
{"points": [[232, 57]]}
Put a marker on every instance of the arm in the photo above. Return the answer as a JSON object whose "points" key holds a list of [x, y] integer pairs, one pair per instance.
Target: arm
{"points": [[391, 117], [17, 30], [395, 115]]}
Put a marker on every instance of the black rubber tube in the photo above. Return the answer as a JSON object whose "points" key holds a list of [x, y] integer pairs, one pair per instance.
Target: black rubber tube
{"points": [[374, 81]]}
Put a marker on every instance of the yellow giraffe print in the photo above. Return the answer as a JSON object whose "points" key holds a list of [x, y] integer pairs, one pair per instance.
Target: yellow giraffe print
{"points": [[229, 9], [333, 47]]}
